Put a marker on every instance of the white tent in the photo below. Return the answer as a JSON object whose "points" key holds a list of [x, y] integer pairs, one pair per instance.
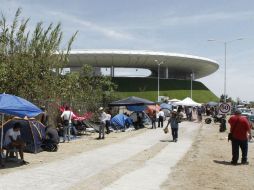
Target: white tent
{"points": [[174, 100], [187, 102]]}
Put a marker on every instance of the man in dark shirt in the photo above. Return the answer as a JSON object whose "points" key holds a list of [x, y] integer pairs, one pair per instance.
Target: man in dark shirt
{"points": [[241, 132], [52, 139]]}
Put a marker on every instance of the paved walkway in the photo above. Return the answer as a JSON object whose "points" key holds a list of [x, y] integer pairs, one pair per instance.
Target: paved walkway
{"points": [[74, 171]]}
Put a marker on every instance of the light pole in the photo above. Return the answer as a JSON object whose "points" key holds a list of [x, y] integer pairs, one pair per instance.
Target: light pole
{"points": [[192, 77], [225, 61], [159, 63]]}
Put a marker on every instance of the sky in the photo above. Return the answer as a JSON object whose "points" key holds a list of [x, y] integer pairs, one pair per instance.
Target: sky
{"points": [[176, 26]]}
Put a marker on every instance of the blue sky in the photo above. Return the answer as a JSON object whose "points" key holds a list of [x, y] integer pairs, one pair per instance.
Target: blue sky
{"points": [[178, 26]]}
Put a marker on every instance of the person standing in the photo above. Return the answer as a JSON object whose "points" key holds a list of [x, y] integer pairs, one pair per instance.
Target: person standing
{"points": [[174, 121], [161, 118], [153, 119], [241, 132], [66, 117], [103, 118], [108, 122]]}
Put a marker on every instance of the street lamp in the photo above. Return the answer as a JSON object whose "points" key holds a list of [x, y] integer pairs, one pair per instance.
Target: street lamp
{"points": [[192, 78], [225, 60], [159, 63]]}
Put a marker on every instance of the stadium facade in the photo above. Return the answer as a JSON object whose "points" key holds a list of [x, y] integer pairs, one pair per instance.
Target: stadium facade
{"points": [[172, 65]]}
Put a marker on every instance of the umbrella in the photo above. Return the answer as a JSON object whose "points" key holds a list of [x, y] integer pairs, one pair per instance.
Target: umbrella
{"points": [[132, 101], [16, 106]]}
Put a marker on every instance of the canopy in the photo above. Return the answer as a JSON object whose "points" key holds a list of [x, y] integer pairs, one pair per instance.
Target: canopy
{"points": [[14, 105], [187, 102], [136, 108], [132, 101]]}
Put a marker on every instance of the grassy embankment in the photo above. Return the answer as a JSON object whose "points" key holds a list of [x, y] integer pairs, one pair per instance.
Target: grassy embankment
{"points": [[147, 88]]}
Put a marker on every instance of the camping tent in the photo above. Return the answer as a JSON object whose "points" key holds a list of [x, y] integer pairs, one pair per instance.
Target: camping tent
{"points": [[120, 120], [187, 102], [14, 105], [166, 106], [32, 132], [131, 101]]}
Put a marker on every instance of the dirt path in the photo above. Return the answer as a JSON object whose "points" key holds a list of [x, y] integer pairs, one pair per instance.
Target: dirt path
{"points": [[207, 165], [108, 166]]}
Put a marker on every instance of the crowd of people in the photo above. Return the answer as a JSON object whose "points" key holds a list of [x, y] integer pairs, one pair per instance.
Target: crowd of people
{"points": [[239, 128]]}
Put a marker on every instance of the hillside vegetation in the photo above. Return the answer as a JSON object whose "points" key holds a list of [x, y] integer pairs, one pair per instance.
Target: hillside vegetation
{"points": [[147, 88]]}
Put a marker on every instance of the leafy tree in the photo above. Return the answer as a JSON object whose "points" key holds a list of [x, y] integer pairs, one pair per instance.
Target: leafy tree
{"points": [[30, 61]]}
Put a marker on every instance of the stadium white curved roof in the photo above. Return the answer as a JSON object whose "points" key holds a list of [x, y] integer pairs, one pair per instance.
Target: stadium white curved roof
{"points": [[181, 64]]}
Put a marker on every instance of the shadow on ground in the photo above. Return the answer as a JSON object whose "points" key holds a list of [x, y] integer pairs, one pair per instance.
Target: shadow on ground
{"points": [[222, 162]]}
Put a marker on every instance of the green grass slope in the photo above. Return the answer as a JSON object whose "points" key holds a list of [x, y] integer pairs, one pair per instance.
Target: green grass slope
{"points": [[147, 88]]}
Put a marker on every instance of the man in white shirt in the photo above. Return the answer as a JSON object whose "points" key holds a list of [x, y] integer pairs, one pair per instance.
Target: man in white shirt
{"points": [[66, 117], [103, 118], [13, 140], [161, 118]]}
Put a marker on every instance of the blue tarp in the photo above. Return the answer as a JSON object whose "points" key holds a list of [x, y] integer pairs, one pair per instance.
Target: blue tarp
{"points": [[166, 106], [14, 105], [120, 120], [136, 108]]}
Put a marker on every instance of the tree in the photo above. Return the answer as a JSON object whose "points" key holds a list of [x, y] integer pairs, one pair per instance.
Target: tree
{"points": [[30, 61]]}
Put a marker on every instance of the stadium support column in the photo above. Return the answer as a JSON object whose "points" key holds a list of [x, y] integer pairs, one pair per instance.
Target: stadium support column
{"points": [[166, 73], [112, 72]]}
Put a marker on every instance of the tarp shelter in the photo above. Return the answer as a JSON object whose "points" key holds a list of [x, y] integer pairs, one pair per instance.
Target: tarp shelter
{"points": [[166, 106], [120, 121], [132, 101], [187, 102], [136, 108], [16, 106], [32, 133]]}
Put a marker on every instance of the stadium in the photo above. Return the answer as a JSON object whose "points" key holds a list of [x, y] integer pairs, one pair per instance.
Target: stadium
{"points": [[172, 69], [172, 65]]}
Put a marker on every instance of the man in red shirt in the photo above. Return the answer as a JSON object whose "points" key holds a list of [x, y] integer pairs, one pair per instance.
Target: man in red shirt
{"points": [[241, 132]]}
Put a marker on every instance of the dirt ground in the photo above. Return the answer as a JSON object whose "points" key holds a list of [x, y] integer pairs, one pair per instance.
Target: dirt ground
{"points": [[82, 144], [207, 165]]}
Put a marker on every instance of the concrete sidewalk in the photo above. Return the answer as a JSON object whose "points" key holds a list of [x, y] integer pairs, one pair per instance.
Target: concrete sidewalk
{"points": [[68, 172]]}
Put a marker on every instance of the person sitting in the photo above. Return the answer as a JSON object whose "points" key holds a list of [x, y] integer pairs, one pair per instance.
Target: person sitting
{"points": [[52, 140], [13, 140]]}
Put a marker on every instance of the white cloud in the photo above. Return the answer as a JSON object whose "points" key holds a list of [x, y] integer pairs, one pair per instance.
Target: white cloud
{"points": [[113, 34], [207, 18]]}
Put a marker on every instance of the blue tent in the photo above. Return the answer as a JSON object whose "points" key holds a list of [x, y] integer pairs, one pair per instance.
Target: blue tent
{"points": [[120, 121], [166, 106], [14, 105], [32, 133]]}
